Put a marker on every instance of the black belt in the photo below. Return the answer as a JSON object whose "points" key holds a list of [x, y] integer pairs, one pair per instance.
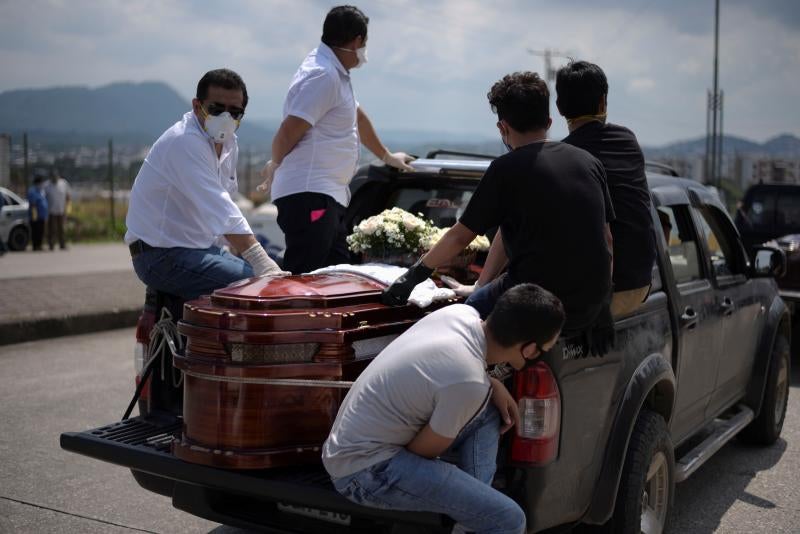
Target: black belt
{"points": [[139, 246]]}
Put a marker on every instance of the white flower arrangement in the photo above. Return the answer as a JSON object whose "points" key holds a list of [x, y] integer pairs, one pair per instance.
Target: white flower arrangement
{"points": [[391, 231], [479, 244]]}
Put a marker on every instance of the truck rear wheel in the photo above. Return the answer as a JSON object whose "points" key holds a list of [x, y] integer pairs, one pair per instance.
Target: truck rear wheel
{"points": [[766, 428], [648, 479]]}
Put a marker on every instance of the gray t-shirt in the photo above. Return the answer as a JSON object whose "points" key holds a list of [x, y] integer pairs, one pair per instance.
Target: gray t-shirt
{"points": [[434, 373]]}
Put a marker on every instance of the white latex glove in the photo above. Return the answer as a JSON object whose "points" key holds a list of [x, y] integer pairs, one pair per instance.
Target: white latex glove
{"points": [[267, 173], [398, 160], [458, 288], [261, 263]]}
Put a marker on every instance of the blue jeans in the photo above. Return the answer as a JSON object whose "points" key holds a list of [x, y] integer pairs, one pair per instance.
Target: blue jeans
{"points": [[188, 272], [486, 297], [463, 491]]}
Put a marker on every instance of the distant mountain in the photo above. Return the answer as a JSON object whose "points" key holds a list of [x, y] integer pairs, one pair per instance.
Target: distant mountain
{"points": [[129, 112], [782, 145]]}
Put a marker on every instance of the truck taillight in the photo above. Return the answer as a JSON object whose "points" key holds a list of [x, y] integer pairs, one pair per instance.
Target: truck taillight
{"points": [[536, 439]]}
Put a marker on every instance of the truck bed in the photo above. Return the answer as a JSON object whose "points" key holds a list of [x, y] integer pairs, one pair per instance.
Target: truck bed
{"points": [[297, 499]]}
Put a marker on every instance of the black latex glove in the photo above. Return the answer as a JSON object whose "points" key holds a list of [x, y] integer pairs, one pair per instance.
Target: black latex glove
{"points": [[601, 336], [397, 293]]}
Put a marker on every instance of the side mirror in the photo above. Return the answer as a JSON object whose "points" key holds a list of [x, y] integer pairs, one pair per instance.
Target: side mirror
{"points": [[768, 262]]}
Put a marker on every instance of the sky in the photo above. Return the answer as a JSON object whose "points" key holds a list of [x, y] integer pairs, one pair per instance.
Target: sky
{"points": [[432, 62]]}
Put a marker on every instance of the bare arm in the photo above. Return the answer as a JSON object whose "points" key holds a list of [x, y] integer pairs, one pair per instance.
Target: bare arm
{"points": [[496, 260], [428, 443], [368, 135], [292, 129], [370, 140], [452, 242]]}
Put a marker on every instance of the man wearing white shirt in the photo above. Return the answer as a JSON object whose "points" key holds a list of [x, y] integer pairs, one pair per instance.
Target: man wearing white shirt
{"points": [[181, 206], [315, 151], [58, 196]]}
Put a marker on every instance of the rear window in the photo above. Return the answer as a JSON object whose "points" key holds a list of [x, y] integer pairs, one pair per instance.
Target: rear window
{"points": [[443, 206], [761, 212]]}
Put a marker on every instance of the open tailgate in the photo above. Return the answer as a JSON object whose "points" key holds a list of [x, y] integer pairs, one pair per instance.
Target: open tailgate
{"points": [[289, 499]]}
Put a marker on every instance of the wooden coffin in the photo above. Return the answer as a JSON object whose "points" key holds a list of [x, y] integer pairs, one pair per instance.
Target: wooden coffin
{"points": [[247, 343]]}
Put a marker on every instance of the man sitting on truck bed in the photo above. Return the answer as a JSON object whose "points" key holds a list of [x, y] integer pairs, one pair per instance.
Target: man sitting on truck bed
{"points": [[181, 206], [425, 395], [582, 99], [551, 203]]}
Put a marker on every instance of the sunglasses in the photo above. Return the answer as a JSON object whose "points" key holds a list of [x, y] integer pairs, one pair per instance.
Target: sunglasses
{"points": [[215, 108]]}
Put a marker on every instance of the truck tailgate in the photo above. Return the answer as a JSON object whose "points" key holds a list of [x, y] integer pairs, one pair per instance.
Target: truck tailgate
{"points": [[289, 499]]}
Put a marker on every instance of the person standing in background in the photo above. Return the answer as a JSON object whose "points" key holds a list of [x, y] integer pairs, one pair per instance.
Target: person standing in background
{"points": [[315, 151], [58, 201], [37, 211]]}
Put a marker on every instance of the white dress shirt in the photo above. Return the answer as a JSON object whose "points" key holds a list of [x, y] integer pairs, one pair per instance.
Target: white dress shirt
{"points": [[182, 194], [56, 194], [326, 157]]}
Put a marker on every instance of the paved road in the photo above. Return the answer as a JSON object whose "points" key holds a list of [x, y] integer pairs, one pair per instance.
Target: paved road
{"points": [[77, 259], [73, 383]]}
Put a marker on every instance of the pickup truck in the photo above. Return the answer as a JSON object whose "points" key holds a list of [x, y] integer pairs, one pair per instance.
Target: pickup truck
{"points": [[603, 441]]}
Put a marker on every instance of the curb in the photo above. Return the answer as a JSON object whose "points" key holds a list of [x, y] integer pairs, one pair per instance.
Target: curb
{"points": [[50, 327]]}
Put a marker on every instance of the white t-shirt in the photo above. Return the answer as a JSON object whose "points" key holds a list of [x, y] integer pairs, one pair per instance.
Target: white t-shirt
{"points": [[56, 194], [326, 157], [182, 194], [434, 373]]}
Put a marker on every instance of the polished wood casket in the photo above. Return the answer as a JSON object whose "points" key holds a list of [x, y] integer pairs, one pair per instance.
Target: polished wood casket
{"points": [[263, 360]]}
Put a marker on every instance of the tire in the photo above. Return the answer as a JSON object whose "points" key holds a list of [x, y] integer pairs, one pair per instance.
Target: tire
{"points": [[18, 237], [766, 428], [648, 479]]}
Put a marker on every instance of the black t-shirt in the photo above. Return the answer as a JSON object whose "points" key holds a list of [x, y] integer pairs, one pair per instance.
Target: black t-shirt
{"points": [[634, 242], [551, 201]]}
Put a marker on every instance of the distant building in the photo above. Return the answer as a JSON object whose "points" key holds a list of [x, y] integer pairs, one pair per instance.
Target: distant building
{"points": [[754, 169], [5, 160]]}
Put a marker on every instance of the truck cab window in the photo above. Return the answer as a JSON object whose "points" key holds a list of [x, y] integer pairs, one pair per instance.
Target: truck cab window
{"points": [[682, 244], [716, 231]]}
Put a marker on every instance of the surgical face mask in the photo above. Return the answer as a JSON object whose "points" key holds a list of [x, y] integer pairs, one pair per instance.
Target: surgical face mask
{"points": [[220, 127], [361, 55], [503, 140]]}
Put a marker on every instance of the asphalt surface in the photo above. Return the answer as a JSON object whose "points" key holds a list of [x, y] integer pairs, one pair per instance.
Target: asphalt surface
{"points": [[86, 288], [80, 382]]}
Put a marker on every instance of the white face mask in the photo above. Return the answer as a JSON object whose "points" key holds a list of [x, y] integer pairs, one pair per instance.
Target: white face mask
{"points": [[361, 55], [221, 127]]}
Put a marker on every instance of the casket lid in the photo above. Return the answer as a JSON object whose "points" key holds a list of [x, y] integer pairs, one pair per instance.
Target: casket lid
{"points": [[302, 291]]}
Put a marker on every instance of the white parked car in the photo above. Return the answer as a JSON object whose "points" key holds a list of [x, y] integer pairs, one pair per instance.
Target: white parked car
{"points": [[14, 228]]}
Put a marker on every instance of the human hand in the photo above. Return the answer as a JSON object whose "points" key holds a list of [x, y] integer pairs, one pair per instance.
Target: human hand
{"points": [[267, 173], [458, 288], [506, 405], [397, 294], [261, 263], [398, 160]]}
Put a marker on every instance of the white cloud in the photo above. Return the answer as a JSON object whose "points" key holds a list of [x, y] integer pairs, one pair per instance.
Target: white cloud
{"points": [[432, 62]]}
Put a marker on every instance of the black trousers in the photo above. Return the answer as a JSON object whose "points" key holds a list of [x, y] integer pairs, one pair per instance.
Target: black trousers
{"points": [[37, 234], [316, 236]]}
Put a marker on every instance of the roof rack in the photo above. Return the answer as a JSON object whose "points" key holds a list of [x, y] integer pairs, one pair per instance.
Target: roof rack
{"points": [[443, 152]]}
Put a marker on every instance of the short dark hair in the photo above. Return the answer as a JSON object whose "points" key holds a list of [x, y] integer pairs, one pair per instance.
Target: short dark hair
{"points": [[343, 24], [525, 313], [580, 87], [521, 99], [225, 78]]}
